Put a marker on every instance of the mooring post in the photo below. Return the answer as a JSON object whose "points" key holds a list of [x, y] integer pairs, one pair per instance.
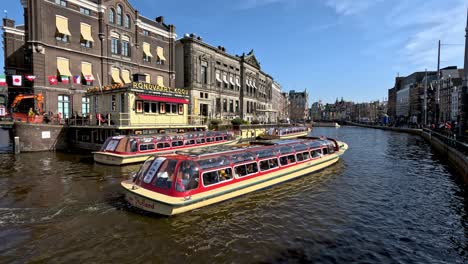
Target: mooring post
{"points": [[17, 145]]}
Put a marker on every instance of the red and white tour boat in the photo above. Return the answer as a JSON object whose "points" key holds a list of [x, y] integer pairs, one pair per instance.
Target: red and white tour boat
{"points": [[121, 150], [177, 183]]}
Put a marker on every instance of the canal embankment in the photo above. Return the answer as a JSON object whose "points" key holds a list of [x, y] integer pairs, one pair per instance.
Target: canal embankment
{"points": [[446, 147]]}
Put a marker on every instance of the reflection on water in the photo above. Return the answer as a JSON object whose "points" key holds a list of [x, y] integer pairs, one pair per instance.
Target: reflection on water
{"points": [[389, 199], [6, 145]]}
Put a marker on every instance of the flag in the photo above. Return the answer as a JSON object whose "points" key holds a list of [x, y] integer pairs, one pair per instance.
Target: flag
{"points": [[17, 80], [77, 79], [53, 80], [31, 78], [89, 78], [3, 80], [65, 79]]}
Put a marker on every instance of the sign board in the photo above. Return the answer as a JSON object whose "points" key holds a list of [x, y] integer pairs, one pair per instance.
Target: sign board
{"points": [[149, 88], [45, 134]]}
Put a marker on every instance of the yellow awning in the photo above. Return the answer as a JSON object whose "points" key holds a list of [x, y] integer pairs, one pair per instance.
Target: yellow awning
{"points": [[87, 71], [126, 76], [116, 75], [63, 67], [148, 78], [160, 52], [160, 81], [62, 25], [86, 32], [147, 49]]}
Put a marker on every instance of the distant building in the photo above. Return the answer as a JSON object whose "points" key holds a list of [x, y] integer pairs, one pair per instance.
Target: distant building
{"points": [[284, 107], [276, 103], [298, 106], [316, 111]]}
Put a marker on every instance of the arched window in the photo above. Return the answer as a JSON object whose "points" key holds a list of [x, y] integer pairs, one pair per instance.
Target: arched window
{"points": [[111, 16], [127, 21], [119, 15]]}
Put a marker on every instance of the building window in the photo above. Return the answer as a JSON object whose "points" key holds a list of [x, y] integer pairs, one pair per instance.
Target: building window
{"points": [[119, 15], [122, 103], [113, 102], [62, 37], [224, 105], [85, 106], [231, 106], [85, 11], [146, 58], [146, 33], [111, 16], [86, 39], [86, 43], [115, 46], [206, 95], [237, 106], [61, 2], [204, 77], [125, 48], [64, 106], [127, 21]]}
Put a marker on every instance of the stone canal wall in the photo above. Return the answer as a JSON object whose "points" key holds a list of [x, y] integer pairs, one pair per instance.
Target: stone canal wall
{"points": [[456, 158], [40, 137]]}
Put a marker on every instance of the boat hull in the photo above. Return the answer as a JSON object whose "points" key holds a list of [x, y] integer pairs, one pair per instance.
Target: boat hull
{"points": [[109, 158], [167, 205]]}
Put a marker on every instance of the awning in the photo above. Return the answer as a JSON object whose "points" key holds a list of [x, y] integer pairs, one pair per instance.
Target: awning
{"points": [[126, 76], [238, 82], [116, 75], [125, 38], [148, 78], [162, 99], [225, 79], [62, 25], [160, 81], [248, 82], [160, 53], [63, 67], [254, 84], [87, 71], [231, 79], [86, 32], [147, 49], [218, 77]]}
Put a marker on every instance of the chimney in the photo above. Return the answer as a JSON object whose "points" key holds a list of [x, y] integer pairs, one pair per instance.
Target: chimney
{"points": [[160, 19]]}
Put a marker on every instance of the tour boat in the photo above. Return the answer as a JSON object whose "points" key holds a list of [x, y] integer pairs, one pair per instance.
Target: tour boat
{"points": [[121, 150], [183, 181], [286, 132]]}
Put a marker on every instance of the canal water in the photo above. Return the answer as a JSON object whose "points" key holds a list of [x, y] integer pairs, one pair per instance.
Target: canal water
{"points": [[389, 200]]}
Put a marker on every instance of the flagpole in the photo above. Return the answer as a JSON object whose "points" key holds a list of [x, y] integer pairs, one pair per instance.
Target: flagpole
{"points": [[100, 89]]}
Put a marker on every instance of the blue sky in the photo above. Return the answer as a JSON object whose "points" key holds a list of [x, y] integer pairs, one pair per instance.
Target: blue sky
{"points": [[333, 48]]}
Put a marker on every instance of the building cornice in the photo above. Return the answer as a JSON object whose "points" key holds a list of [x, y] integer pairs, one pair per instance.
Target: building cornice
{"points": [[12, 30], [156, 30]]}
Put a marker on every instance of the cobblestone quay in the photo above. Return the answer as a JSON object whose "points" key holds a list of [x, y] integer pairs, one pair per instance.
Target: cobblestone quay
{"points": [[389, 200]]}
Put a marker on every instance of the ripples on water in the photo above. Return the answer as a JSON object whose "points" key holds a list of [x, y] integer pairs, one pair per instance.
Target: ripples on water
{"points": [[390, 199]]}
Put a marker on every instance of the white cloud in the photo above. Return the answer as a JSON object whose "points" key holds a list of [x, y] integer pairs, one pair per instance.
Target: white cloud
{"points": [[349, 7]]}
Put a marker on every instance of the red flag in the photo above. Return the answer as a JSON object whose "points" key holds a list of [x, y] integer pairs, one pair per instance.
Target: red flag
{"points": [[30, 78], [53, 80]]}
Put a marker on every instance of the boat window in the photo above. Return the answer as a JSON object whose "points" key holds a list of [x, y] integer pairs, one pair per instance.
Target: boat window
{"points": [[268, 164], [284, 160], [213, 162], [165, 174], [315, 153], [149, 175], [111, 145], [300, 147], [299, 157], [291, 158], [246, 169], [285, 149], [219, 138], [213, 177], [200, 140], [189, 142], [242, 157], [143, 169], [162, 145], [177, 143], [325, 151], [133, 145], [306, 155], [145, 147], [209, 139], [263, 153], [331, 149], [187, 177]]}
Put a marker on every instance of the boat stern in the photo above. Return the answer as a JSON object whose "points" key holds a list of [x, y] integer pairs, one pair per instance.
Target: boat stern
{"points": [[107, 158]]}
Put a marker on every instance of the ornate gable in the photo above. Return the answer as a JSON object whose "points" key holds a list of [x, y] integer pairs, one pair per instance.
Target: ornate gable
{"points": [[252, 60]]}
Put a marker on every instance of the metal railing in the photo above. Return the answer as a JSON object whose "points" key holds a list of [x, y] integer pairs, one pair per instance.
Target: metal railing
{"points": [[449, 139]]}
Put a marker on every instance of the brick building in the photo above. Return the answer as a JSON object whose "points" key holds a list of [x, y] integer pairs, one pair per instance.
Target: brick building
{"points": [[95, 42], [222, 85]]}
